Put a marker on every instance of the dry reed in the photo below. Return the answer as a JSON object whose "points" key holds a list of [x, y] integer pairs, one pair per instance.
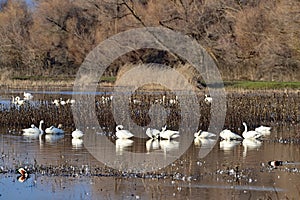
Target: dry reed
{"points": [[251, 107]]}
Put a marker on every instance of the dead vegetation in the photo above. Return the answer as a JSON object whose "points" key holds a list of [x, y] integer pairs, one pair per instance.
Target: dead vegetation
{"points": [[249, 40], [255, 108]]}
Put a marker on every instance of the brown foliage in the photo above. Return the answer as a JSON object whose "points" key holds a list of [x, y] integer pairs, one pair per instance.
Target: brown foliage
{"points": [[255, 40], [15, 21]]}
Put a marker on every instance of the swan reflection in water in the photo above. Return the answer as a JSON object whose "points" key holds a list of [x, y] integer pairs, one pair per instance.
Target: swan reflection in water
{"points": [[228, 145], [77, 143], [53, 138], [204, 142], [250, 144], [165, 145], [122, 144], [204, 145], [152, 144], [168, 145]]}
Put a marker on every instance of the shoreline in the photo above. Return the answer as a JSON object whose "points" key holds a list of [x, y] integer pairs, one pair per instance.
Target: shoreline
{"points": [[68, 85]]}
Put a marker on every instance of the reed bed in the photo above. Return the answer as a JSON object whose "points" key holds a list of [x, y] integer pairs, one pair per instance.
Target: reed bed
{"points": [[252, 107]]}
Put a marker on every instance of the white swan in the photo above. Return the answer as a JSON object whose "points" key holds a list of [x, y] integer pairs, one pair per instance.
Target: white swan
{"points": [[228, 135], [207, 99], [77, 133], [55, 131], [123, 134], [70, 101], [50, 137], [33, 131], [152, 133], [62, 102], [107, 100], [13, 101], [168, 134], [174, 101], [56, 102], [204, 134], [28, 96], [18, 101], [264, 130], [250, 134]]}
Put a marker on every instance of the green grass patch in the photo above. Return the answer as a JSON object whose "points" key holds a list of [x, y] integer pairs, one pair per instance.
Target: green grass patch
{"points": [[108, 79], [261, 85], [254, 85], [23, 78], [42, 78]]}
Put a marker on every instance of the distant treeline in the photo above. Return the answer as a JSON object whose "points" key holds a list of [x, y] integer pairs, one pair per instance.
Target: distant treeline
{"points": [[249, 39]]}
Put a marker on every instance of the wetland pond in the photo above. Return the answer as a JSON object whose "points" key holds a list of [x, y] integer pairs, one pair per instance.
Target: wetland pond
{"points": [[64, 168]]}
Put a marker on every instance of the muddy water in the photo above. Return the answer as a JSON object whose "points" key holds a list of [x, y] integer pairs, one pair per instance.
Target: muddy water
{"points": [[61, 168]]}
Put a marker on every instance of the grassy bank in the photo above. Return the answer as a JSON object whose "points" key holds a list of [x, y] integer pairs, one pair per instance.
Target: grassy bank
{"points": [[36, 82], [43, 81], [260, 85]]}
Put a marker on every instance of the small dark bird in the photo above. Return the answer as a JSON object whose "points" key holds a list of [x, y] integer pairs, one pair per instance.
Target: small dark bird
{"points": [[24, 175], [275, 163], [23, 172]]}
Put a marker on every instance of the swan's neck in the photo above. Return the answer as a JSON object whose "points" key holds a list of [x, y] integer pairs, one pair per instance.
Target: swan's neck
{"points": [[245, 128]]}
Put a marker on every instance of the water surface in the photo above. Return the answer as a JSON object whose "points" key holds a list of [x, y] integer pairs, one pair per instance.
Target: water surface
{"points": [[63, 168]]}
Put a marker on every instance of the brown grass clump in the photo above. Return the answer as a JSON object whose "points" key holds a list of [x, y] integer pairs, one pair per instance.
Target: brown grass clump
{"points": [[160, 73]]}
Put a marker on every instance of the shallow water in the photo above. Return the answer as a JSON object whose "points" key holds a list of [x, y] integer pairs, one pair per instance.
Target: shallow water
{"points": [[223, 173], [62, 168]]}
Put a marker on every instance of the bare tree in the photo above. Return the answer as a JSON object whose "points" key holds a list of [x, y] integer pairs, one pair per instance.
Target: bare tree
{"points": [[15, 22], [253, 39]]}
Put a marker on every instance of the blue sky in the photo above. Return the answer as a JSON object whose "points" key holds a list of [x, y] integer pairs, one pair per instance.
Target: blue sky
{"points": [[29, 2]]}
